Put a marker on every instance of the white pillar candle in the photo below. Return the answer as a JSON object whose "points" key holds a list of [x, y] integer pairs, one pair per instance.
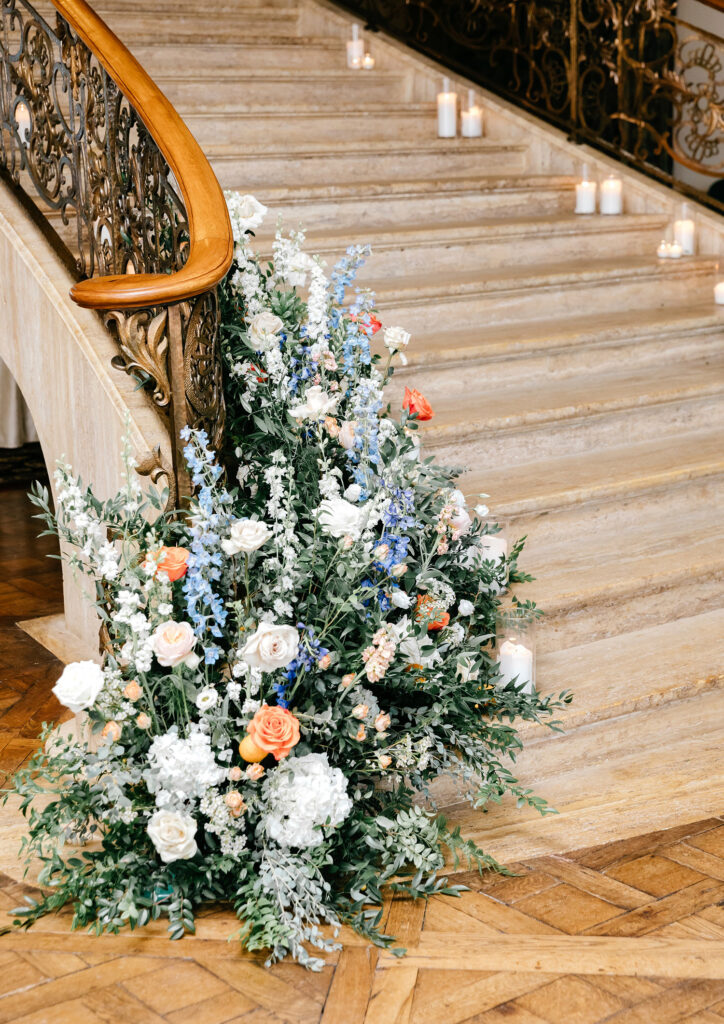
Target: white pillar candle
{"points": [[355, 49], [472, 118], [685, 231], [516, 660], [369, 62], [447, 111], [611, 195], [494, 547], [719, 293], [585, 193]]}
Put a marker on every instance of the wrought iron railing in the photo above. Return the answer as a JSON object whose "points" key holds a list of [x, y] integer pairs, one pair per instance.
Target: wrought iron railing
{"points": [[73, 144], [627, 76]]}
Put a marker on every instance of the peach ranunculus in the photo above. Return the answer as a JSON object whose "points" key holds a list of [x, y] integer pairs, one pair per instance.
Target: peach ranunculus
{"points": [[173, 561], [414, 402], [112, 731], [173, 642], [132, 690], [275, 730]]}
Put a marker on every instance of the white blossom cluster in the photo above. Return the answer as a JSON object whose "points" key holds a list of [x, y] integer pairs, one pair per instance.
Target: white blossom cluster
{"points": [[301, 795], [181, 770]]}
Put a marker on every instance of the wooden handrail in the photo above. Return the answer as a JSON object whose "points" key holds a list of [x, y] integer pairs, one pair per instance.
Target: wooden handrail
{"points": [[211, 241]]}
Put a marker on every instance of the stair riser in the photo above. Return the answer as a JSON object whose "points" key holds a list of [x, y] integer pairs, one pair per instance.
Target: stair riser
{"points": [[558, 299], [511, 251], [294, 127], [198, 95], [625, 613], [165, 60], [391, 210], [497, 446], [259, 169], [198, 27], [591, 356]]}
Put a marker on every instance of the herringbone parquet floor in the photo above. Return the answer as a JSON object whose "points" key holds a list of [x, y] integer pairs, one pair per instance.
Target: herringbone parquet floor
{"points": [[631, 932]]}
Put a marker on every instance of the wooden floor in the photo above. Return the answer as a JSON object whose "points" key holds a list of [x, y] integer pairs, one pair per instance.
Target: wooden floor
{"points": [[630, 932]]}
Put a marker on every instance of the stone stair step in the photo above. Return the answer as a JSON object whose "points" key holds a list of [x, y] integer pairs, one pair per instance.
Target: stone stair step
{"points": [[630, 564], [213, 91], [194, 25], [614, 473], [373, 122], [425, 302], [560, 416], [617, 777], [306, 163], [347, 207], [290, 52], [567, 345], [495, 242]]}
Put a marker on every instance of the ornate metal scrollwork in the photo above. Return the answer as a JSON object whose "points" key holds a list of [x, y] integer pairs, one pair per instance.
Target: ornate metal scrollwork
{"points": [[626, 75], [71, 141]]}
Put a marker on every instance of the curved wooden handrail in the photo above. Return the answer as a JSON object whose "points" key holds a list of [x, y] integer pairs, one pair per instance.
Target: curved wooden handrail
{"points": [[210, 236]]}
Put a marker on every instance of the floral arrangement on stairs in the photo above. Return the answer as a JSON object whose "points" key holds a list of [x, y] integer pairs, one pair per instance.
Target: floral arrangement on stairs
{"points": [[291, 660]]}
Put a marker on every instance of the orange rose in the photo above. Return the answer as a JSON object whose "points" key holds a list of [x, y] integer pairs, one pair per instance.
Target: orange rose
{"points": [[426, 608], [275, 730], [370, 323], [173, 561], [414, 402]]}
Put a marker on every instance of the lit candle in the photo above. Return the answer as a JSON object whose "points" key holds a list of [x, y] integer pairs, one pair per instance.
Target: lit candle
{"points": [[684, 231], [675, 251], [355, 49], [515, 661], [447, 111], [369, 62], [663, 250], [472, 119], [611, 195], [719, 293], [585, 194]]}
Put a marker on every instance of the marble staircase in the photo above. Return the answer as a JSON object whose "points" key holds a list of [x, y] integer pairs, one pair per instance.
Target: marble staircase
{"points": [[577, 378]]}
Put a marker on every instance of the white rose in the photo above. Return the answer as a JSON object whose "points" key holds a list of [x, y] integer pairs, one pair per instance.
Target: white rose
{"points": [[400, 599], [79, 685], [173, 642], [353, 492], [346, 434], [460, 520], [173, 835], [207, 698], [263, 331], [246, 535], [271, 647], [396, 338], [317, 403], [247, 213], [340, 518], [466, 608]]}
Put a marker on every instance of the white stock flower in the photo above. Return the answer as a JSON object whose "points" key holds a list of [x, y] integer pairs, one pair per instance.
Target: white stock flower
{"points": [[317, 403], [340, 518], [271, 647], [466, 607], [353, 492], [246, 213], [181, 769], [300, 795], [460, 520], [79, 685], [173, 643], [299, 267], [173, 835], [263, 331], [246, 535], [396, 338]]}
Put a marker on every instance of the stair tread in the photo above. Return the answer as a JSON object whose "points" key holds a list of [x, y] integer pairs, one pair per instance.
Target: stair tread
{"points": [[597, 474], [414, 186], [506, 340], [617, 777], [517, 404], [328, 148], [448, 284]]}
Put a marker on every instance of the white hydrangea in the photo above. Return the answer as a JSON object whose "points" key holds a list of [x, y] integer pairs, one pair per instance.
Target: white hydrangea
{"points": [[181, 769], [301, 794]]}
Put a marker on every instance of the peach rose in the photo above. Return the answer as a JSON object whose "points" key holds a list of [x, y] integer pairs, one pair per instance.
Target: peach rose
{"points": [[382, 722], [346, 434], [173, 561], [361, 734], [325, 661], [235, 773], [426, 608], [414, 402], [254, 772], [132, 690], [275, 730], [112, 731], [173, 642], [235, 802], [348, 679], [143, 721]]}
